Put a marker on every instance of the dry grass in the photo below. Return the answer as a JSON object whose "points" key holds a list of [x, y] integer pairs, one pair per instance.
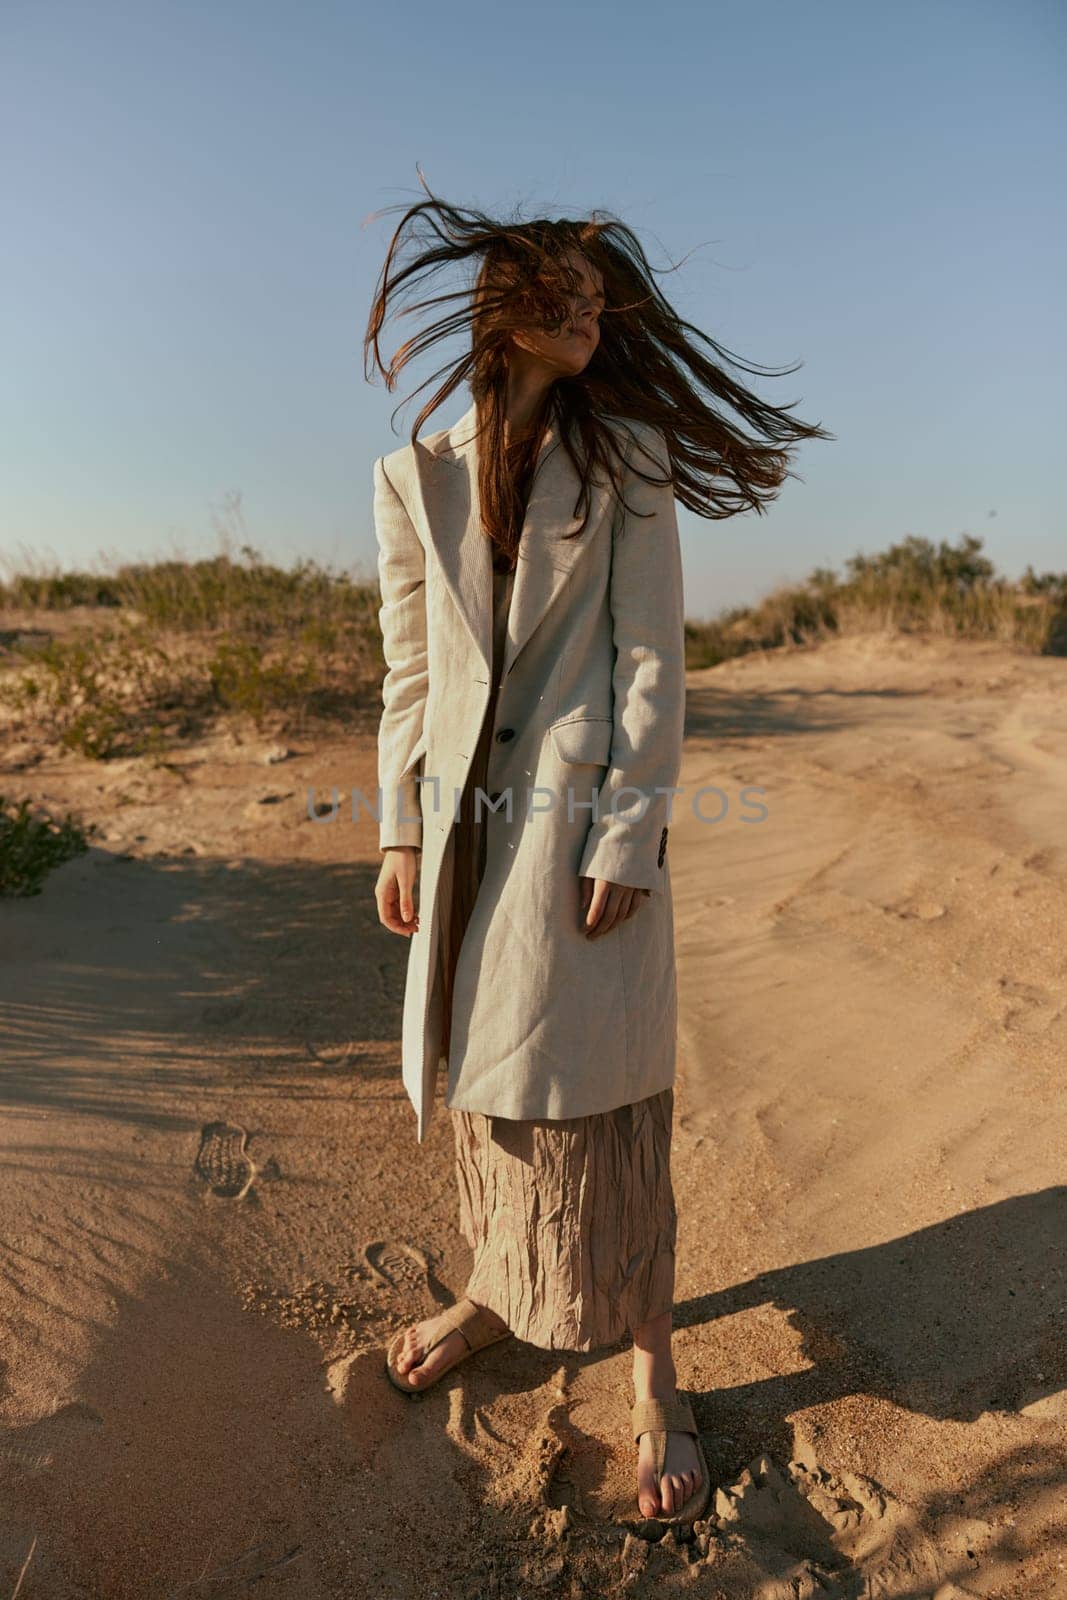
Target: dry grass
{"points": [[156, 653], [161, 651], [912, 587]]}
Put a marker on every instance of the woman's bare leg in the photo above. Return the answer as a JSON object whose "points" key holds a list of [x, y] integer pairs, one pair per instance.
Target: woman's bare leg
{"points": [[655, 1379]]}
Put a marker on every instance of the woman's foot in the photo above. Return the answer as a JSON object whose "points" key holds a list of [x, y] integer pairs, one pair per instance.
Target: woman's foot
{"points": [[452, 1348], [655, 1379]]}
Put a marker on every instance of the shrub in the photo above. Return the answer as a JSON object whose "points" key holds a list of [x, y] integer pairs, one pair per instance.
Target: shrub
{"points": [[32, 843]]}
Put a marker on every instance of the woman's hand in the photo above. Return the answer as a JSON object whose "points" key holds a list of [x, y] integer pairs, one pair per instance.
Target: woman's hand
{"points": [[394, 892], [607, 904]]}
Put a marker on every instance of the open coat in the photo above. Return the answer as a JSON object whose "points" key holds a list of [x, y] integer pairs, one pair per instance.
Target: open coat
{"points": [[583, 766]]}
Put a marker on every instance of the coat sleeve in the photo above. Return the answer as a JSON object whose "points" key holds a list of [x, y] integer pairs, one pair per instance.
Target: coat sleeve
{"points": [[402, 617], [627, 842]]}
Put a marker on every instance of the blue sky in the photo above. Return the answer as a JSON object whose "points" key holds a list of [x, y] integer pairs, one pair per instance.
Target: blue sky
{"points": [[873, 191]]}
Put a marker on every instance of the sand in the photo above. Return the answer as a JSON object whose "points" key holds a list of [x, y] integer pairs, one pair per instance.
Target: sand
{"points": [[214, 1212]]}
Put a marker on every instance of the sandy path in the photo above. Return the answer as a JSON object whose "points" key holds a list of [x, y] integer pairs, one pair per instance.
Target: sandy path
{"points": [[214, 1210]]}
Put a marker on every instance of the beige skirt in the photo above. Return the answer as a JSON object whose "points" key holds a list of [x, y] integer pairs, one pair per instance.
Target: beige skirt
{"points": [[572, 1223]]}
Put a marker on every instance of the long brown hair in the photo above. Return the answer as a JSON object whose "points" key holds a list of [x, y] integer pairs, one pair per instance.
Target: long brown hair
{"points": [[647, 366]]}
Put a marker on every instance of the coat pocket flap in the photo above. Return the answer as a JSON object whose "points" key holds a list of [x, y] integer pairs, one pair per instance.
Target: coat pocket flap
{"points": [[583, 739]]}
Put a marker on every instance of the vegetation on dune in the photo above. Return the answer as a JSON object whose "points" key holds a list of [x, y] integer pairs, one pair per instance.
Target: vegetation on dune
{"points": [[165, 649], [913, 587], [32, 843], [182, 643]]}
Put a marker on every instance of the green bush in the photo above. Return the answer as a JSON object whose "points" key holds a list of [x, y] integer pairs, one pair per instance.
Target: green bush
{"points": [[32, 843]]}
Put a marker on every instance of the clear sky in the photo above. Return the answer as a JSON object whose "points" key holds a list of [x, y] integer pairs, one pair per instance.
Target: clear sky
{"points": [[874, 191]]}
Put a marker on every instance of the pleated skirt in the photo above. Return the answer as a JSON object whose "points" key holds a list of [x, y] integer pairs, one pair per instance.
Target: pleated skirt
{"points": [[572, 1222]]}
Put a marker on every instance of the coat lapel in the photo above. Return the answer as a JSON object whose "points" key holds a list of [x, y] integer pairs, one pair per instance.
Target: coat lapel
{"points": [[448, 481]]}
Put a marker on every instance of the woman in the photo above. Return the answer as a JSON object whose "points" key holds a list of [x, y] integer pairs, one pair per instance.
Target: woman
{"points": [[533, 705]]}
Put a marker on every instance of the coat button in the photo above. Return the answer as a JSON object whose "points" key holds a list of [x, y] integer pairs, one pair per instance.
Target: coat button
{"points": [[495, 796], [505, 734]]}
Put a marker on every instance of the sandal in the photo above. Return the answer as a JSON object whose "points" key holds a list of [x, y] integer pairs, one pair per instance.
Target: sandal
{"points": [[659, 1417], [475, 1328]]}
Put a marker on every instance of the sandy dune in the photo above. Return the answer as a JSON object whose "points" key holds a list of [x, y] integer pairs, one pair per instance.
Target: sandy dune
{"points": [[214, 1211]]}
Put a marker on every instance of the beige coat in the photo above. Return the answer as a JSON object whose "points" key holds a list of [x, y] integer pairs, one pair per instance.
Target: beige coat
{"points": [[546, 1023]]}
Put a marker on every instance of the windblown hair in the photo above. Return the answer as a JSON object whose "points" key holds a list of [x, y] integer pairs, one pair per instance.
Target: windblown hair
{"points": [[647, 366]]}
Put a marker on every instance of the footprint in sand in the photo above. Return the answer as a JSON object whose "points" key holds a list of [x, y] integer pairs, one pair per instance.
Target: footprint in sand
{"points": [[392, 1264], [329, 1055], [918, 910], [1029, 1009], [34, 1446], [222, 1161]]}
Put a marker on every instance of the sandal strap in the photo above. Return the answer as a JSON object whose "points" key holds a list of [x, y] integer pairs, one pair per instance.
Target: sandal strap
{"points": [[467, 1317], [662, 1416]]}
